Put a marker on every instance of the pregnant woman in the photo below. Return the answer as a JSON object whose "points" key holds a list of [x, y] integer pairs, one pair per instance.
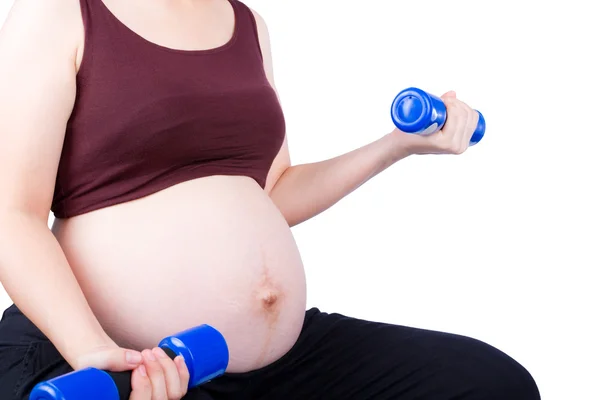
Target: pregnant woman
{"points": [[152, 130]]}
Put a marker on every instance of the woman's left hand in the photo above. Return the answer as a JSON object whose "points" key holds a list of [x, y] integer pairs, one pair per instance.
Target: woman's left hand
{"points": [[461, 122], [159, 378]]}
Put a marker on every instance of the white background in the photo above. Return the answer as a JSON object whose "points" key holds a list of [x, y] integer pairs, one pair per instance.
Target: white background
{"points": [[501, 243]]}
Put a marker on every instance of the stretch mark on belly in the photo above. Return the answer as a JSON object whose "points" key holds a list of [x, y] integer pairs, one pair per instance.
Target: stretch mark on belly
{"points": [[270, 297], [268, 291]]}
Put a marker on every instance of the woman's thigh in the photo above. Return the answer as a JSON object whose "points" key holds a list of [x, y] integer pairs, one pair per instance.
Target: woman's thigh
{"points": [[22, 368], [338, 357], [21, 351], [11, 370]]}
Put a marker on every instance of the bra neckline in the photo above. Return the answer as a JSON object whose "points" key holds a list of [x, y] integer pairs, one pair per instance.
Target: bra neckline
{"points": [[212, 50]]}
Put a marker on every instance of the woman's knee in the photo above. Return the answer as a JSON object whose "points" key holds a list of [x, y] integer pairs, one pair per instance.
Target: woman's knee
{"points": [[492, 374]]}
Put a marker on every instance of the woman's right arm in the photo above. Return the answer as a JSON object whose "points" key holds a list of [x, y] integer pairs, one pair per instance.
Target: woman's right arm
{"points": [[38, 46], [38, 52]]}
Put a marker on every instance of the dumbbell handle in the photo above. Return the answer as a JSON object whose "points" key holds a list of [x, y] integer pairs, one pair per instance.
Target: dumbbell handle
{"points": [[123, 379]]}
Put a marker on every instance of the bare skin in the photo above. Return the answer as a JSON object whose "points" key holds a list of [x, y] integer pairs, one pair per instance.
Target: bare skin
{"points": [[231, 263], [216, 250]]}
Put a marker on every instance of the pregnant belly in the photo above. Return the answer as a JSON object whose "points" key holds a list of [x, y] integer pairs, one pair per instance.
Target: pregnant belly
{"points": [[209, 251]]}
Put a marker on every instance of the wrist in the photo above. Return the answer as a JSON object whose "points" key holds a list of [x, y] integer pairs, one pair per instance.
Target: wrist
{"points": [[398, 146], [76, 352]]}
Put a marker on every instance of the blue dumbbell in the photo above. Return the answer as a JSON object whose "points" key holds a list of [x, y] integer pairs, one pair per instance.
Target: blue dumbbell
{"points": [[416, 111], [203, 348]]}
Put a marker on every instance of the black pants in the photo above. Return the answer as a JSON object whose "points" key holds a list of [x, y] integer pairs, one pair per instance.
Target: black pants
{"points": [[336, 357]]}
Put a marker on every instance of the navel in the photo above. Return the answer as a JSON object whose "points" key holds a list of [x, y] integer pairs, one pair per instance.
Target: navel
{"points": [[269, 299]]}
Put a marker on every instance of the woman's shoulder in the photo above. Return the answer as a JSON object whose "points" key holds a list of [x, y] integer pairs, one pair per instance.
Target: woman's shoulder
{"points": [[256, 15], [49, 25]]}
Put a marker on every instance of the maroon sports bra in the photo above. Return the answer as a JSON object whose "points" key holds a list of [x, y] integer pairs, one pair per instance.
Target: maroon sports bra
{"points": [[147, 117]]}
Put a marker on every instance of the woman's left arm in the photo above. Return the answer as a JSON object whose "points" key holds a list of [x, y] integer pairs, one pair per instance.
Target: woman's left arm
{"points": [[303, 191]]}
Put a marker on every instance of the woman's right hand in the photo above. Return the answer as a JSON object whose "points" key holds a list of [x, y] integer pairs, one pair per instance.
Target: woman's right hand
{"points": [[154, 375], [159, 377]]}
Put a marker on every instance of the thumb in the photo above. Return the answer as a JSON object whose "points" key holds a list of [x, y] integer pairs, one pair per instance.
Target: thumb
{"points": [[449, 95], [113, 359]]}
